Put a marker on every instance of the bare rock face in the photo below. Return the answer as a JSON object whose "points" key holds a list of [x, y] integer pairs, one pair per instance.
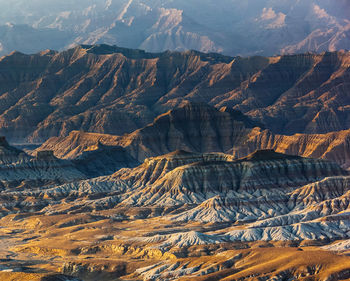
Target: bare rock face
{"points": [[210, 175], [192, 127], [185, 178], [104, 160], [78, 142], [45, 155], [331, 146], [266, 188], [9, 154], [200, 128], [155, 168], [18, 169], [326, 189], [175, 210], [106, 89]]}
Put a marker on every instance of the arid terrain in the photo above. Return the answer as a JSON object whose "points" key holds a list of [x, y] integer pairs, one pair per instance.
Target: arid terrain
{"points": [[178, 216], [105, 89], [119, 164]]}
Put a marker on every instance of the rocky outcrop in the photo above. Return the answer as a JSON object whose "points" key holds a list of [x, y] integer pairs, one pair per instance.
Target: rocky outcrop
{"points": [[78, 142], [326, 189], [104, 160], [331, 146], [217, 131], [18, 169], [180, 178], [191, 126], [180, 240], [290, 101], [178, 209], [224, 189], [237, 208], [9, 154]]}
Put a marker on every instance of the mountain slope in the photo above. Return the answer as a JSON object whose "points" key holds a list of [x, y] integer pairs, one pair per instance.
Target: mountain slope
{"points": [[111, 90], [187, 178], [191, 126], [331, 146], [181, 215], [104, 160], [21, 171], [199, 128], [281, 195]]}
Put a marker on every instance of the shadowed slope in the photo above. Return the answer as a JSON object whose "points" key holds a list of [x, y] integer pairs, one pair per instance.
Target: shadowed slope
{"points": [[191, 126]]}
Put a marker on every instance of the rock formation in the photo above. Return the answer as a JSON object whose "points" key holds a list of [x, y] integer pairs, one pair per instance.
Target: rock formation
{"points": [[182, 214], [111, 90], [217, 131], [20, 170], [192, 127], [180, 178], [104, 160], [331, 146]]}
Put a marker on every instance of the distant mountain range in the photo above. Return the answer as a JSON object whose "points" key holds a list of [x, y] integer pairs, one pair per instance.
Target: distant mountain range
{"points": [[232, 27], [106, 89]]}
